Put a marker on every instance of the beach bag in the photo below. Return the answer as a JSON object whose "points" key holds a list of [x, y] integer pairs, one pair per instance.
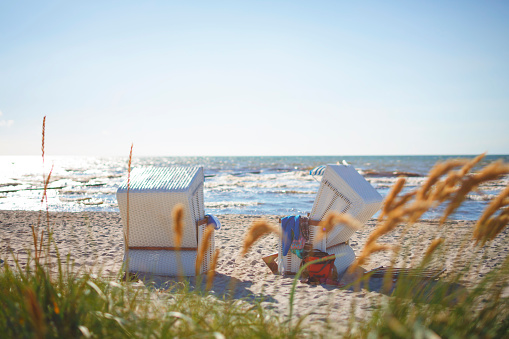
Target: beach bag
{"points": [[298, 244], [319, 272]]}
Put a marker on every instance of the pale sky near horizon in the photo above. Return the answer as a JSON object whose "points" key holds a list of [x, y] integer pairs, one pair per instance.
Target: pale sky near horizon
{"points": [[254, 78]]}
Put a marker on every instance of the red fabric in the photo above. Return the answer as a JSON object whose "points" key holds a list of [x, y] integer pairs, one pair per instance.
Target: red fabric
{"points": [[319, 270]]}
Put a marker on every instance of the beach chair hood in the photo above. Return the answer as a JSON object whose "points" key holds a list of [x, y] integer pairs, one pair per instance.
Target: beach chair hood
{"points": [[343, 190], [153, 193]]}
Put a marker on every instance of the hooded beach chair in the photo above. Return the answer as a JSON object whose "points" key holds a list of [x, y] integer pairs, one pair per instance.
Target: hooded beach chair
{"points": [[147, 209], [342, 190]]}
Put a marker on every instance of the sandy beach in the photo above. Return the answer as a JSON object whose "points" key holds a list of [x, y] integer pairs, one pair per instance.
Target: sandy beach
{"points": [[94, 240]]}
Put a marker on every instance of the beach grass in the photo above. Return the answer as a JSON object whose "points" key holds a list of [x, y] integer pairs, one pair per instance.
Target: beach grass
{"points": [[74, 304], [445, 308], [463, 303], [35, 302]]}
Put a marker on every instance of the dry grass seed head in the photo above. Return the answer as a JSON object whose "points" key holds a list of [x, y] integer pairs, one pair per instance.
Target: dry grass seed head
{"points": [[445, 187], [366, 253], [389, 200], [468, 166], [258, 229], [326, 225], [436, 173], [492, 227], [332, 219], [500, 201], [130, 158], [416, 210], [490, 172], [212, 270], [500, 222], [178, 216], [432, 247], [394, 218], [402, 201], [203, 248], [46, 183]]}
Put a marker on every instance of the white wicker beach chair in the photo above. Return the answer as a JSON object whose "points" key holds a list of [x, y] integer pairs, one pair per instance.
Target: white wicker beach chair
{"points": [[342, 190], [153, 193]]}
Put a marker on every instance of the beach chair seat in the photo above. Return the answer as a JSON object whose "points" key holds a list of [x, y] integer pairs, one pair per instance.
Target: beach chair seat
{"points": [[146, 211], [290, 263]]}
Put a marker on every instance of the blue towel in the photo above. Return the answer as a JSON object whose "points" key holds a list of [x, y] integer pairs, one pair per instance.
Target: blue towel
{"points": [[291, 230], [212, 220]]}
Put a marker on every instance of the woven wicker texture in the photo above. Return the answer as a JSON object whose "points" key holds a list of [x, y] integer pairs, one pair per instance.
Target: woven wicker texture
{"points": [[344, 190], [162, 262], [161, 179], [153, 193]]}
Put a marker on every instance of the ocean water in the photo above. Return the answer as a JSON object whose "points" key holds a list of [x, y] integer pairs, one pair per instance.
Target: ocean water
{"points": [[233, 185]]}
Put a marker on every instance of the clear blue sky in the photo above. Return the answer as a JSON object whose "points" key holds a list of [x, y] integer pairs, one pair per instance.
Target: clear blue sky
{"points": [[254, 78]]}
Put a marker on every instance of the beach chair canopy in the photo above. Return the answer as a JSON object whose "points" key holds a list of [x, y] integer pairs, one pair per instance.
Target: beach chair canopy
{"points": [[146, 210], [153, 193], [318, 170], [343, 190]]}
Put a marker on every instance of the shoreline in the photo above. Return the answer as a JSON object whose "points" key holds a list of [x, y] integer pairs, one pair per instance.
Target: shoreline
{"points": [[94, 240]]}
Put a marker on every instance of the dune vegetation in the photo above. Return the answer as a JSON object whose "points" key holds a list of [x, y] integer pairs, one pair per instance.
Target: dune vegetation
{"points": [[460, 304]]}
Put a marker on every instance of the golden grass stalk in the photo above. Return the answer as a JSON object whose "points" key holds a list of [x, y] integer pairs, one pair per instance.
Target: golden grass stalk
{"points": [[126, 233], [453, 188], [411, 206], [497, 203], [446, 188], [389, 200], [394, 218], [468, 166], [212, 271], [332, 219], [432, 247], [366, 253], [36, 313], [34, 239], [416, 210], [492, 227], [401, 201], [203, 248], [178, 226], [258, 229], [490, 172], [436, 173], [45, 197], [34, 232], [326, 225]]}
